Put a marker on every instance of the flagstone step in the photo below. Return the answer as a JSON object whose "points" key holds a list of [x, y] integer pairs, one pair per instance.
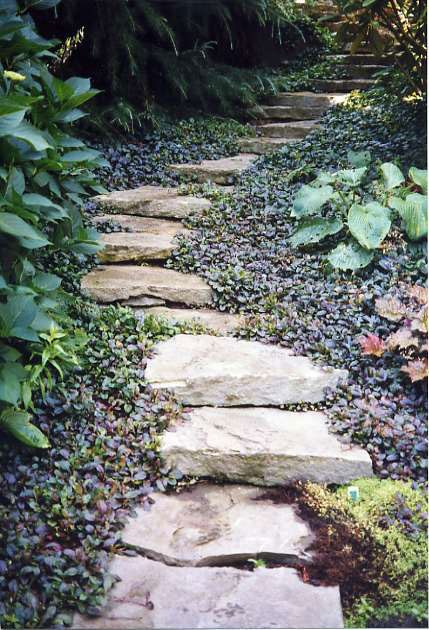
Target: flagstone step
{"points": [[222, 371], [117, 283], [261, 446], [261, 145], [307, 99], [221, 171], [360, 59], [363, 71], [292, 112], [215, 524], [290, 130], [153, 595], [152, 201], [343, 85], [138, 224], [221, 322]]}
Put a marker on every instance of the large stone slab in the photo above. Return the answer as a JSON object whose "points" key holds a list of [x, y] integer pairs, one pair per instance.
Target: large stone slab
{"points": [[138, 224], [363, 71], [220, 322], [221, 371], [153, 201], [262, 446], [263, 145], [116, 283], [290, 130], [293, 112], [214, 524], [153, 595], [221, 171], [307, 99], [343, 85], [362, 59]]}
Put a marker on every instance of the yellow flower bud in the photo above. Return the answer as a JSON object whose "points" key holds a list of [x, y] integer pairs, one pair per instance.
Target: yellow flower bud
{"points": [[14, 76]]}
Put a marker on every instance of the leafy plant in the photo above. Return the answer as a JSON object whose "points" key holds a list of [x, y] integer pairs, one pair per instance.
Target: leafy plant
{"points": [[410, 340], [344, 204], [44, 178]]}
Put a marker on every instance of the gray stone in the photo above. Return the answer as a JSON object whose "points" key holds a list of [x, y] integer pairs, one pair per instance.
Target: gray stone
{"points": [[290, 130], [153, 201], [362, 59], [307, 99], [343, 85], [262, 145], [222, 371], [147, 225], [220, 322], [137, 247], [153, 595], [293, 112], [143, 301], [215, 523], [115, 283], [363, 71], [262, 446], [218, 171]]}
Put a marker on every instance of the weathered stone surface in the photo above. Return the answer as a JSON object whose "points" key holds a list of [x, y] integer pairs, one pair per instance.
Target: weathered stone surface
{"points": [[218, 171], [153, 595], [221, 322], [206, 370], [116, 283], [306, 99], [290, 130], [263, 446], [153, 201], [343, 85], [213, 523], [132, 246], [144, 301], [363, 71], [293, 112], [148, 225], [361, 59], [262, 145]]}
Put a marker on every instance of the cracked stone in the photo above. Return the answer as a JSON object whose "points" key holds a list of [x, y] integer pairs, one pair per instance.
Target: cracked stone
{"points": [[218, 171], [220, 322]]}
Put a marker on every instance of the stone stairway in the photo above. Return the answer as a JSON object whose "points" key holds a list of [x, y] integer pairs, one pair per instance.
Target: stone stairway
{"points": [[193, 550]]}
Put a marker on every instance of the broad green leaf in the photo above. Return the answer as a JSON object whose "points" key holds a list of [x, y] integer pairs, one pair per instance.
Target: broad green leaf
{"points": [[25, 233], [419, 177], [413, 211], [313, 230], [80, 156], [18, 424], [11, 376], [359, 158], [369, 224], [352, 176], [392, 175], [33, 136], [350, 256], [18, 312], [46, 281], [309, 200]]}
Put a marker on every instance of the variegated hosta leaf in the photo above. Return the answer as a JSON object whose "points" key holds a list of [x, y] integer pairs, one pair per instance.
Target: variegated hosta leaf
{"points": [[417, 370], [313, 230], [309, 200], [392, 175], [350, 256], [413, 211], [402, 338], [391, 308], [372, 344], [419, 177], [369, 224], [352, 176]]}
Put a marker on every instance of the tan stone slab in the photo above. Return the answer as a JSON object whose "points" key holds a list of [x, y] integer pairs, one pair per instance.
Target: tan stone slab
{"points": [[135, 247], [227, 372], [307, 99], [221, 322], [153, 595], [218, 171], [290, 130], [212, 523], [343, 85], [293, 112], [262, 446], [148, 225], [261, 146], [116, 283]]}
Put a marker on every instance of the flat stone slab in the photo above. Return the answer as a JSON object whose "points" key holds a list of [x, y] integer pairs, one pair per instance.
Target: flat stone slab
{"points": [[138, 224], [116, 283], [153, 595], [262, 446], [215, 523], [222, 371], [343, 85], [263, 145], [218, 171], [153, 201], [307, 99], [221, 322], [290, 130]]}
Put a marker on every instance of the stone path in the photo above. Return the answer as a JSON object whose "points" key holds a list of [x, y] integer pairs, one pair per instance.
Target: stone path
{"points": [[193, 549]]}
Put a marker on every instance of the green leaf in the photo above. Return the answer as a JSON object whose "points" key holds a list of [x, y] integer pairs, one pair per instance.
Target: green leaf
{"points": [[28, 236], [419, 177], [33, 136], [16, 315], [18, 424], [80, 156], [352, 177], [350, 256], [12, 374], [413, 211], [392, 175], [369, 224], [309, 199], [46, 281], [313, 230], [359, 158]]}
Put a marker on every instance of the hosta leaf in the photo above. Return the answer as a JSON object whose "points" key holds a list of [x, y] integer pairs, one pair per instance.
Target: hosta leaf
{"points": [[46, 281], [310, 199], [419, 177], [413, 211], [350, 256], [18, 424], [392, 175], [33, 136], [369, 224], [359, 158], [352, 177], [313, 230], [15, 226], [12, 374]]}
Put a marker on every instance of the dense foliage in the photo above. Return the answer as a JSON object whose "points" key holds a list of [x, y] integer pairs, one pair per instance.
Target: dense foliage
{"points": [[44, 177]]}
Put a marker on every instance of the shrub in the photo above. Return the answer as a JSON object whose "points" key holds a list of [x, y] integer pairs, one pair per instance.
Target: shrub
{"points": [[44, 177]]}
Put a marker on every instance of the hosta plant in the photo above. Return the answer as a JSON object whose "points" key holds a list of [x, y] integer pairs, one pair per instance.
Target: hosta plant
{"points": [[44, 178], [358, 210], [409, 310]]}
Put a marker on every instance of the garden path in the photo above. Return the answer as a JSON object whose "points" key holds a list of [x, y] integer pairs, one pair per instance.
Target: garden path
{"points": [[190, 549]]}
